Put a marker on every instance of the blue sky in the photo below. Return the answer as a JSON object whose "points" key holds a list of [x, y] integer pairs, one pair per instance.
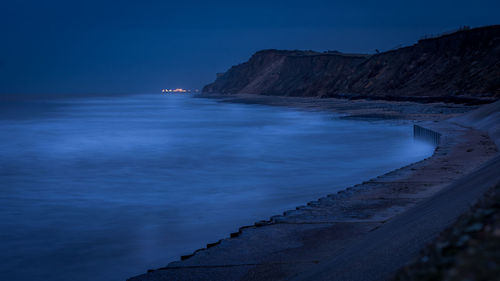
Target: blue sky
{"points": [[114, 47]]}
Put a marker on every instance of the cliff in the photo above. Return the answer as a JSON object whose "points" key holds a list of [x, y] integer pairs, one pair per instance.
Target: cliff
{"points": [[460, 67]]}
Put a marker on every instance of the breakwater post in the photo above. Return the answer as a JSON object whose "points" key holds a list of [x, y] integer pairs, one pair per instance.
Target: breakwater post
{"points": [[424, 134]]}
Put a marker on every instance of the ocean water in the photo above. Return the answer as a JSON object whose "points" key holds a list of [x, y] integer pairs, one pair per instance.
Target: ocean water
{"points": [[104, 188]]}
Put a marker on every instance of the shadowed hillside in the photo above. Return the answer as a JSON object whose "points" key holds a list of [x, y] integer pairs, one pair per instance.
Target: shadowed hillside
{"points": [[460, 67]]}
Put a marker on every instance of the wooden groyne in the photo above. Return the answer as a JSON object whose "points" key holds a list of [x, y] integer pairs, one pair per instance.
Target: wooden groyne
{"points": [[424, 134]]}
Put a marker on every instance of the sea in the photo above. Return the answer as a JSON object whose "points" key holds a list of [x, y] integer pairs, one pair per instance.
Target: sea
{"points": [[105, 188]]}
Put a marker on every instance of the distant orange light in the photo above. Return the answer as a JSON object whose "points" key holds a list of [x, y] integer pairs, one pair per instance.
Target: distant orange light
{"points": [[178, 90]]}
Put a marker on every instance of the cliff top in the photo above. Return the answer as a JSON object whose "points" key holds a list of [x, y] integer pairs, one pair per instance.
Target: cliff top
{"points": [[309, 53], [427, 38]]}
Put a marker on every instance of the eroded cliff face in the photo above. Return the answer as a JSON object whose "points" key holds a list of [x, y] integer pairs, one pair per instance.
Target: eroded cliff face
{"points": [[463, 66]]}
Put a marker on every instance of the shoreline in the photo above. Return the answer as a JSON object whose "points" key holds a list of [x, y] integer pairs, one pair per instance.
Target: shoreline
{"points": [[287, 245], [355, 109]]}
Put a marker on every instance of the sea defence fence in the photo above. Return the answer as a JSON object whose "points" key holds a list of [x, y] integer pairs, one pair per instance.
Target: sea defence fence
{"points": [[423, 134]]}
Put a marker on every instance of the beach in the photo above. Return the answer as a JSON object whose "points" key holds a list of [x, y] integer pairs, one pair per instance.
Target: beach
{"points": [[306, 242]]}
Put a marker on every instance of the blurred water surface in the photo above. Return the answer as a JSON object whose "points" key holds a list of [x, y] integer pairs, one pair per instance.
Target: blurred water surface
{"points": [[104, 188]]}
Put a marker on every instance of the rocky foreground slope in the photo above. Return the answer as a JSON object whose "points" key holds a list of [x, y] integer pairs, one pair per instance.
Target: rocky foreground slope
{"points": [[468, 250], [460, 67]]}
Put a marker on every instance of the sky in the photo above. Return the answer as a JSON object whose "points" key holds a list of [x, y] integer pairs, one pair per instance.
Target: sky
{"points": [[127, 47]]}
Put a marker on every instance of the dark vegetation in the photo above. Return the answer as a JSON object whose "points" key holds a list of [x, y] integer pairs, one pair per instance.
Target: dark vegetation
{"points": [[469, 250]]}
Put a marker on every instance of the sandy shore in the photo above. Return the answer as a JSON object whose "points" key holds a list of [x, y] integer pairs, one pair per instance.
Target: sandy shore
{"points": [[301, 242]]}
